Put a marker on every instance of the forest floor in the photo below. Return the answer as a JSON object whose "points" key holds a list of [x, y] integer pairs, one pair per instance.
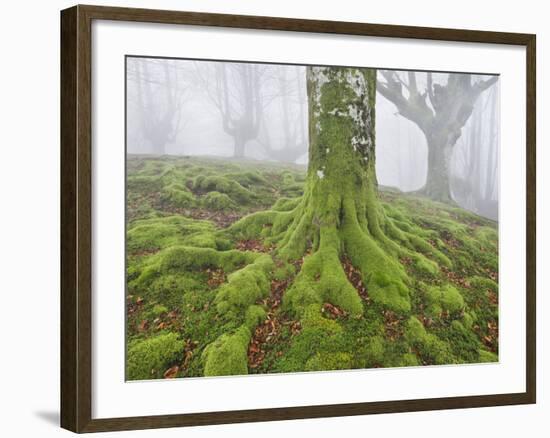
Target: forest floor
{"points": [[182, 253]]}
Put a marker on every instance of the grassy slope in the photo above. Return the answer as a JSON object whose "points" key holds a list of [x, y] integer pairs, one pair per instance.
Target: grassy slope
{"points": [[179, 258]]}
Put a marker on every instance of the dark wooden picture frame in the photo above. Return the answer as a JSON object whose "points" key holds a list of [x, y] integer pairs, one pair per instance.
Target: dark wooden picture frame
{"points": [[76, 218]]}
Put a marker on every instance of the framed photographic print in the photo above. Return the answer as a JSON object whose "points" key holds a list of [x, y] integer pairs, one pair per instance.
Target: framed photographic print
{"points": [[268, 218]]}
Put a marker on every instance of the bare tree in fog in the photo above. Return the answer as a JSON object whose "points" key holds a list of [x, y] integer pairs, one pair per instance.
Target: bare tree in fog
{"points": [[440, 111], [289, 90], [475, 170], [236, 89], [442, 139], [159, 100]]}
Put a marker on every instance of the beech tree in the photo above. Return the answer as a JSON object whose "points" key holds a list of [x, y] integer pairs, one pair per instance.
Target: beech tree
{"points": [[290, 94], [159, 100], [236, 91], [440, 111], [475, 167]]}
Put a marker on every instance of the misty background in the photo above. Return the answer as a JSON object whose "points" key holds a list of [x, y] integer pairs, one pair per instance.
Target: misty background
{"points": [[259, 111]]}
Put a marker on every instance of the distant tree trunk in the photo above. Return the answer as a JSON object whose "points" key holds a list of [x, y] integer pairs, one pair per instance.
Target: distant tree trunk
{"points": [[492, 154], [291, 134], [159, 101], [155, 130], [238, 97], [301, 113], [239, 149], [476, 171]]}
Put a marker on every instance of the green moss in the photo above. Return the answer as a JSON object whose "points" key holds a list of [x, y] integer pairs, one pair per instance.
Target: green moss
{"points": [[227, 356], [143, 182], [424, 247], [178, 195], [247, 178], [486, 356], [156, 233], [298, 231], [385, 278], [159, 309], [149, 358], [235, 300], [301, 294], [443, 298], [468, 321], [252, 225], [408, 360], [283, 270], [168, 257], [389, 293], [286, 204], [426, 267], [223, 185], [202, 240], [287, 178], [328, 362], [184, 257], [305, 346], [463, 342], [375, 351], [218, 201], [313, 319], [451, 299], [178, 259], [254, 315], [322, 279], [432, 349], [245, 286], [291, 183], [169, 289], [482, 283]]}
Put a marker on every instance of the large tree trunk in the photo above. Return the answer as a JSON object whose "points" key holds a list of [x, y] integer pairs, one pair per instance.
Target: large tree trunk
{"points": [[341, 173]]}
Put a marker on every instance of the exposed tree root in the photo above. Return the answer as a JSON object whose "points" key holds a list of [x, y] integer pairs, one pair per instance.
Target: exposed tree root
{"points": [[374, 246]]}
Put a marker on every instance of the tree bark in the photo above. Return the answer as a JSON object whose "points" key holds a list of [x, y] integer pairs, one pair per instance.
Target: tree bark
{"points": [[341, 172], [437, 186]]}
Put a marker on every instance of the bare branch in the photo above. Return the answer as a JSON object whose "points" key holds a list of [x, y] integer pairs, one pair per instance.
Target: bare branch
{"points": [[483, 85]]}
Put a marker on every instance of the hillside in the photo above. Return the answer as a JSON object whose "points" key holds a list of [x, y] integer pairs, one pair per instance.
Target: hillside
{"points": [[207, 293]]}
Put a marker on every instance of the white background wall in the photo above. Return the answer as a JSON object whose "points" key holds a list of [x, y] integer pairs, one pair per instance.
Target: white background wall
{"points": [[29, 218]]}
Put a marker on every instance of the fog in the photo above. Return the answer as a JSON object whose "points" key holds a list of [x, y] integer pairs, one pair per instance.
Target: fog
{"points": [[259, 111]]}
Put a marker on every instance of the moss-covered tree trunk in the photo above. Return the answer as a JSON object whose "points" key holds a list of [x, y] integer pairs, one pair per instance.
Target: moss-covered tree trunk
{"points": [[340, 213], [341, 173]]}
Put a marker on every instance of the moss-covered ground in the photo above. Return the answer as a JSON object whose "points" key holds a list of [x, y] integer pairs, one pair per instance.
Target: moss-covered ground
{"points": [[210, 293]]}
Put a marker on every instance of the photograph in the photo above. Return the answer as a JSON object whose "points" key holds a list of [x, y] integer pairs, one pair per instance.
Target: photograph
{"points": [[274, 219], [289, 218]]}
